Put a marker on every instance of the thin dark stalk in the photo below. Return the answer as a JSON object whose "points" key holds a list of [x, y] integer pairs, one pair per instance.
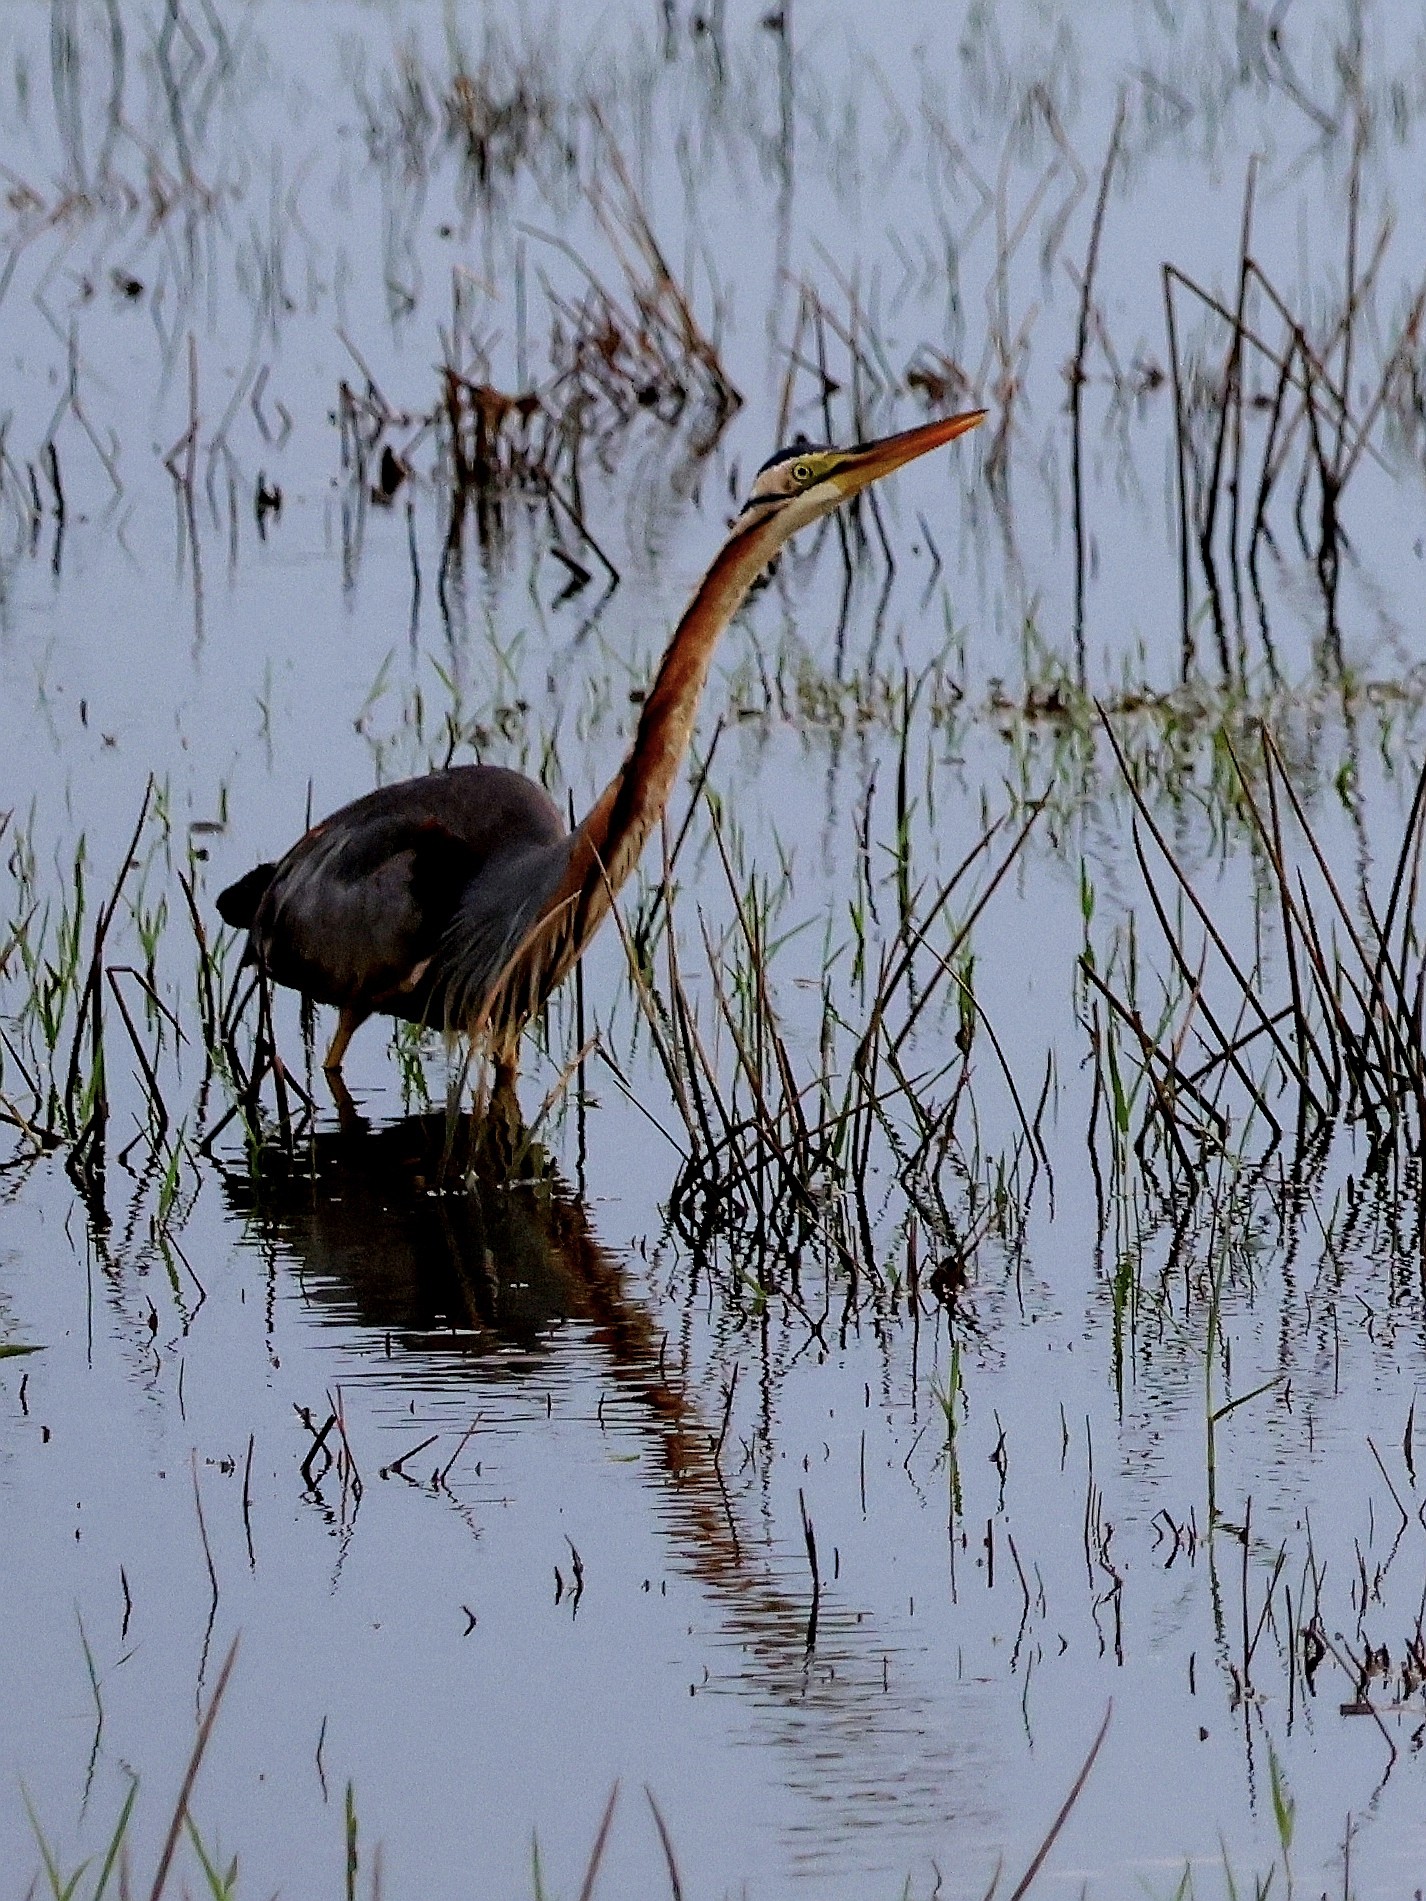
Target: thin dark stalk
{"points": [[591, 1873], [190, 1775], [1022, 1887], [666, 1843]]}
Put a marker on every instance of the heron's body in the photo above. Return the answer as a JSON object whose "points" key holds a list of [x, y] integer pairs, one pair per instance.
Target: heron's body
{"points": [[459, 899], [366, 910]]}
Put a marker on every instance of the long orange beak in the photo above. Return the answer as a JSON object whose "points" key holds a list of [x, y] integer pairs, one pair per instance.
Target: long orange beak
{"points": [[869, 461]]}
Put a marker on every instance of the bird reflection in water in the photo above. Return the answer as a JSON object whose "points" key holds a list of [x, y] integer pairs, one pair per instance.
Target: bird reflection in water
{"points": [[458, 1239], [457, 1236]]}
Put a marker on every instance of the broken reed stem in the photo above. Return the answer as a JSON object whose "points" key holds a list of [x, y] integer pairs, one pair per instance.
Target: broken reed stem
{"points": [[809, 1537], [1078, 378]]}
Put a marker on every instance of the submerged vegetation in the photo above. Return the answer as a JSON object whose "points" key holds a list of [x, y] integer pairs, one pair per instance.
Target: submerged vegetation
{"points": [[958, 1257]]}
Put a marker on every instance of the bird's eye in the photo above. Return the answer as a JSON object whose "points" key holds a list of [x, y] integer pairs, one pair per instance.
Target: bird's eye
{"points": [[802, 473]]}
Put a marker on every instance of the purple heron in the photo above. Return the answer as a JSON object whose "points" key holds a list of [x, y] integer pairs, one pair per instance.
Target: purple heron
{"points": [[459, 899]]}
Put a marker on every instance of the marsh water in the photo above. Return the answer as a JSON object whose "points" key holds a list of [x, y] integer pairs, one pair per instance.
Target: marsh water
{"points": [[831, 1492]]}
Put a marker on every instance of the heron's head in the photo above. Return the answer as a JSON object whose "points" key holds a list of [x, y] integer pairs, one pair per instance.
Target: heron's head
{"points": [[797, 485]]}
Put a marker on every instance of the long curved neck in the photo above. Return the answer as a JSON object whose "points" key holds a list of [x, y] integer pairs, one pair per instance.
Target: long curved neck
{"points": [[605, 847]]}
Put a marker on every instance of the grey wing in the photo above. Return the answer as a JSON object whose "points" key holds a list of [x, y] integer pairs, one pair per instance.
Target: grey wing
{"points": [[352, 917]]}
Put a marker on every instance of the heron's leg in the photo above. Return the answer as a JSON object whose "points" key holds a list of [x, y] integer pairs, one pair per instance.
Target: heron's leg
{"points": [[348, 1023], [502, 1135]]}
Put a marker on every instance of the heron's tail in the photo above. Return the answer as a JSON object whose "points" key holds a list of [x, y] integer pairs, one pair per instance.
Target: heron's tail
{"points": [[238, 904]]}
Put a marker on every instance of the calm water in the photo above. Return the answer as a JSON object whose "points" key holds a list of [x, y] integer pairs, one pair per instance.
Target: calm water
{"points": [[528, 1576]]}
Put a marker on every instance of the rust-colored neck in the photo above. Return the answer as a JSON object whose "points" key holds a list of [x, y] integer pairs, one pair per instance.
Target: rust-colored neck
{"points": [[605, 848]]}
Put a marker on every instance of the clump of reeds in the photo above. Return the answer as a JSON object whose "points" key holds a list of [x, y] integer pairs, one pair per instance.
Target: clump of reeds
{"points": [[501, 110], [1327, 1033], [83, 982], [1272, 425], [616, 351], [643, 349], [782, 1156]]}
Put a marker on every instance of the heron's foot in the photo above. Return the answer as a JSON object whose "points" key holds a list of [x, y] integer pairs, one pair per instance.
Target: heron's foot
{"points": [[349, 1118]]}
